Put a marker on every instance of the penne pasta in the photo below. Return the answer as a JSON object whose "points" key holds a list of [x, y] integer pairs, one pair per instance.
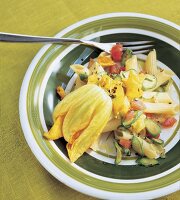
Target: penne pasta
{"points": [[150, 66], [80, 69], [161, 108], [132, 63], [162, 97], [162, 77], [96, 68], [157, 97], [78, 83]]}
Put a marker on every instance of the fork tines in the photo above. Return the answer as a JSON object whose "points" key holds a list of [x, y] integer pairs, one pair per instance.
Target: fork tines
{"points": [[138, 47], [133, 43]]}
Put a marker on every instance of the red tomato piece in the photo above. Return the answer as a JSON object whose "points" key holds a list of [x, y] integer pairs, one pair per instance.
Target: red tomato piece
{"points": [[150, 115], [129, 115], [114, 69], [149, 135], [125, 143], [137, 105], [116, 52], [122, 69], [169, 122]]}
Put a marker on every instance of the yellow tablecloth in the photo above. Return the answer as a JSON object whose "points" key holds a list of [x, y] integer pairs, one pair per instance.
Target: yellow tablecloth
{"points": [[22, 175]]}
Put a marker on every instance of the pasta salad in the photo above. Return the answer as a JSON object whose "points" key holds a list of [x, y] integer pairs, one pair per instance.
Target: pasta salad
{"points": [[118, 94]]}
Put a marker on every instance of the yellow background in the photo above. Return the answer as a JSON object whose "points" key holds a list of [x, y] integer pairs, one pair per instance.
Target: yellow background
{"points": [[22, 175]]}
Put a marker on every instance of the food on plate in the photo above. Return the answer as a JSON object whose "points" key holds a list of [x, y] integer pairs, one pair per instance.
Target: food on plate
{"points": [[60, 91], [116, 94], [81, 116]]}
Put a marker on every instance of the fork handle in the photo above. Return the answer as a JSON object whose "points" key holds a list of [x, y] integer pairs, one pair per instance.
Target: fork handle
{"points": [[9, 37]]}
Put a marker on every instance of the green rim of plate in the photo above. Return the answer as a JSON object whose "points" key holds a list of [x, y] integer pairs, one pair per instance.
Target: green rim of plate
{"points": [[33, 110]]}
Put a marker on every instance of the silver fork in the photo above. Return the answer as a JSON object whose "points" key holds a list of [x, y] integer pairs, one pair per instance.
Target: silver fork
{"points": [[136, 46]]}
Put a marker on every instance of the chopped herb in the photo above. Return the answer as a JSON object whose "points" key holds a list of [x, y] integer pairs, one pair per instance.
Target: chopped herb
{"points": [[148, 79], [118, 153], [127, 152], [83, 76], [147, 162], [126, 55]]}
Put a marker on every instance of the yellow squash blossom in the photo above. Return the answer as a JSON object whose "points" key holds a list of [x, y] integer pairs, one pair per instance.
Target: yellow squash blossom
{"points": [[93, 79], [121, 103], [121, 106], [133, 85], [105, 61], [60, 92], [84, 114]]}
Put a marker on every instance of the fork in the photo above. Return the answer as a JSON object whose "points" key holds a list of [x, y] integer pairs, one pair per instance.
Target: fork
{"points": [[136, 46]]}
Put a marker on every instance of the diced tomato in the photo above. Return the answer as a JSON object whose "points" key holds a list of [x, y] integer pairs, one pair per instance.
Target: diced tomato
{"points": [[150, 115], [114, 69], [159, 118], [122, 69], [169, 122], [125, 143], [137, 105], [148, 135], [129, 115], [116, 52]]}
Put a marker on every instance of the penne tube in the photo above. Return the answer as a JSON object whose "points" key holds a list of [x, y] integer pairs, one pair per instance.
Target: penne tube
{"points": [[132, 63], [162, 97], [162, 77], [150, 66], [161, 108], [78, 83], [80, 69], [157, 97], [96, 68]]}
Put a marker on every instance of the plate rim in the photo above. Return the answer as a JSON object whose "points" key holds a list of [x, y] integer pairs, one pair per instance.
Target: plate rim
{"points": [[45, 162]]}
